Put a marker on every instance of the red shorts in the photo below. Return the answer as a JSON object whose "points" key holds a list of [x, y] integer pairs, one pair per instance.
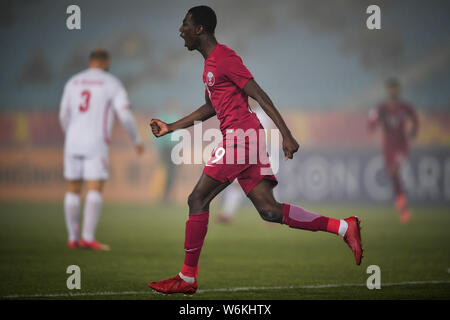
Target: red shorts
{"points": [[241, 157]]}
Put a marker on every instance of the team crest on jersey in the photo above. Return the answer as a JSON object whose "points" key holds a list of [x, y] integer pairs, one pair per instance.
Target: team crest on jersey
{"points": [[210, 79]]}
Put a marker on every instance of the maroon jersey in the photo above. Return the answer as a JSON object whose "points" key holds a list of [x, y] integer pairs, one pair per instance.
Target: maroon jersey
{"points": [[393, 121], [225, 76]]}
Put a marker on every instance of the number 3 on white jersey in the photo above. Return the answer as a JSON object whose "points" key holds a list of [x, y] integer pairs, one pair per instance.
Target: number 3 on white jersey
{"points": [[86, 96]]}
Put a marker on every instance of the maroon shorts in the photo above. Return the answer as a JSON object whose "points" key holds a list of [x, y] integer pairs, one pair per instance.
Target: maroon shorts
{"points": [[244, 158]]}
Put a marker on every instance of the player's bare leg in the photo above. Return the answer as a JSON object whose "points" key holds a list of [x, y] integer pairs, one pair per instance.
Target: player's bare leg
{"points": [[196, 227], [92, 212], [295, 217], [72, 204]]}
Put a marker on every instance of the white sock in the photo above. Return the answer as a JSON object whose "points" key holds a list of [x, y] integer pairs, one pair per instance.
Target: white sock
{"points": [[343, 226], [92, 211], [72, 214], [186, 278]]}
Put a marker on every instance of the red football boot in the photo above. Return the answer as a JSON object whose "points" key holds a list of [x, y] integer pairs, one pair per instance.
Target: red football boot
{"points": [[353, 238], [73, 244], [174, 285], [94, 245]]}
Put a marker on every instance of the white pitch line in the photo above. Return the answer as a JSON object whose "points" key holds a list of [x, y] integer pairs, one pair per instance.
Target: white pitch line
{"points": [[150, 292]]}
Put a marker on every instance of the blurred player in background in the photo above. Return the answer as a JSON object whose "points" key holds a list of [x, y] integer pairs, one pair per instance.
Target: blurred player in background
{"points": [[228, 85], [393, 116], [90, 100]]}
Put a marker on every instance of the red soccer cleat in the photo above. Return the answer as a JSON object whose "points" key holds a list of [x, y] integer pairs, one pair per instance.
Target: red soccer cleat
{"points": [[174, 285], [353, 238], [94, 245], [73, 244]]}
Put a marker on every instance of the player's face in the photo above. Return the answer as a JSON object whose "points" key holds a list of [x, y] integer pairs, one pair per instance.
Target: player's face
{"points": [[394, 92], [188, 33]]}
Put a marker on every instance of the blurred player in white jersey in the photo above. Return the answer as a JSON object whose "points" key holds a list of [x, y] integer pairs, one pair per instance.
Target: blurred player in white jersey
{"points": [[90, 100]]}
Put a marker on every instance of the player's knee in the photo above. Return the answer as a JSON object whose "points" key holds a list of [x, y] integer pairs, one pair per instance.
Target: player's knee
{"points": [[195, 200], [74, 187], [269, 213], [191, 200]]}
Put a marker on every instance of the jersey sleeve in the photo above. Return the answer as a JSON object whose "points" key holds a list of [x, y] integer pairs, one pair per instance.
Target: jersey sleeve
{"points": [[121, 106], [64, 109], [234, 69], [120, 97]]}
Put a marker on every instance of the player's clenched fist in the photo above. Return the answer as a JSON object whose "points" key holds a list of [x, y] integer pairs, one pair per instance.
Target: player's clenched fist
{"points": [[159, 128], [290, 146]]}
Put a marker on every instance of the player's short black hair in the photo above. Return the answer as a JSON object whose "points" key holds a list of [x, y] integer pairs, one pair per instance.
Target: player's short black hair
{"points": [[99, 54], [204, 16], [392, 83]]}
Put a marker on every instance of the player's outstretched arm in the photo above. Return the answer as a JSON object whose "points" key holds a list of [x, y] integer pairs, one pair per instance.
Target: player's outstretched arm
{"points": [[206, 111], [290, 145]]}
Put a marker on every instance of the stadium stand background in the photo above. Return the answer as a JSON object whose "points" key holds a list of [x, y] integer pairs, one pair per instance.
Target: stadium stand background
{"points": [[320, 64]]}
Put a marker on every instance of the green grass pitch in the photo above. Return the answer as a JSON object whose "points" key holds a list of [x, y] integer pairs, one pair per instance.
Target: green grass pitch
{"points": [[266, 261]]}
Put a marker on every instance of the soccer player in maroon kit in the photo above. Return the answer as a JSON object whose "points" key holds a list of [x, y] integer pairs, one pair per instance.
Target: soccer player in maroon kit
{"points": [[228, 85], [393, 116]]}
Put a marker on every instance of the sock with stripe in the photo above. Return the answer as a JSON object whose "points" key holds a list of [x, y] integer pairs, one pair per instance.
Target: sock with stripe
{"points": [[299, 218]]}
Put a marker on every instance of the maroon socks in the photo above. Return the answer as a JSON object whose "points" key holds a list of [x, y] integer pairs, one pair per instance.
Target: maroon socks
{"points": [[196, 228], [299, 218]]}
